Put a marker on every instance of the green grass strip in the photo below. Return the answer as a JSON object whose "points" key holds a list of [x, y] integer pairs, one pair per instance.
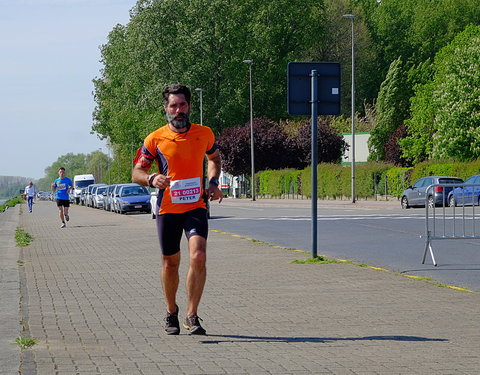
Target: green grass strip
{"points": [[319, 259]]}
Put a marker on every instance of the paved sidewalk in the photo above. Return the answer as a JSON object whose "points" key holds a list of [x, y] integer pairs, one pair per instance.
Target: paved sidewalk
{"points": [[95, 306], [9, 292]]}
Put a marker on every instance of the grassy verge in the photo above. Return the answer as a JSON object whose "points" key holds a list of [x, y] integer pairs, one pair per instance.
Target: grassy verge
{"points": [[11, 203]]}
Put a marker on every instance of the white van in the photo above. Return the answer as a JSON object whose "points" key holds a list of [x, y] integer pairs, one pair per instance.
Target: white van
{"points": [[80, 181]]}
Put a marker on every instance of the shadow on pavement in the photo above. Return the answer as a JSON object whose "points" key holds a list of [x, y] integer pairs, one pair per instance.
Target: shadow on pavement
{"points": [[254, 339]]}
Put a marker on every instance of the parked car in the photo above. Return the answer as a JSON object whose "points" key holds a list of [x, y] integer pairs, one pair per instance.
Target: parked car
{"points": [[133, 197], [108, 197], [89, 194], [83, 196], [115, 198], [98, 197], [466, 195], [416, 195]]}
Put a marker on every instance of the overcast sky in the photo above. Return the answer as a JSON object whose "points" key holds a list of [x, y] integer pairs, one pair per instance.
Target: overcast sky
{"points": [[49, 54]]}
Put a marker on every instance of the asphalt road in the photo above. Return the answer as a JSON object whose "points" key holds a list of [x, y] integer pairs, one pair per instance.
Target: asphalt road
{"points": [[386, 237]]}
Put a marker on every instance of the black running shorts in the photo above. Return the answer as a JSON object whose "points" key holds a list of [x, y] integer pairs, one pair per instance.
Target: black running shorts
{"points": [[170, 227], [63, 202]]}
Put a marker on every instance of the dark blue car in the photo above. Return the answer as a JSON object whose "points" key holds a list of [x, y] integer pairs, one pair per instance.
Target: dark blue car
{"points": [[466, 195]]}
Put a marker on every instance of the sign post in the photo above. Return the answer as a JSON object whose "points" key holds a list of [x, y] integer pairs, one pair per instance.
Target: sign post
{"points": [[324, 99]]}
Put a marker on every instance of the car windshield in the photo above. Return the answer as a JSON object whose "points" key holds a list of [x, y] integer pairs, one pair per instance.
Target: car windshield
{"points": [[83, 183], [100, 190], [134, 190]]}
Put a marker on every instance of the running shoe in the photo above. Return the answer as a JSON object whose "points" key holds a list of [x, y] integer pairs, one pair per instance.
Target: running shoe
{"points": [[172, 326], [192, 323], [63, 225], [67, 217]]}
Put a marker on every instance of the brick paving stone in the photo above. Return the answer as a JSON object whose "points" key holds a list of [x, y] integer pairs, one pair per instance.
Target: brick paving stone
{"points": [[95, 305]]}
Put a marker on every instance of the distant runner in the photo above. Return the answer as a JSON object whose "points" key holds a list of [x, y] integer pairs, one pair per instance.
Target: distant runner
{"points": [[30, 194], [62, 186], [179, 148]]}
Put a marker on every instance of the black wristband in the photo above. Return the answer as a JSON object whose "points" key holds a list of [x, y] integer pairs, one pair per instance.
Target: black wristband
{"points": [[214, 181], [151, 178]]}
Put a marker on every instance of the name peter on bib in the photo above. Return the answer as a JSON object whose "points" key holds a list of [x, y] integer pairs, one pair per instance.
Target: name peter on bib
{"points": [[186, 190]]}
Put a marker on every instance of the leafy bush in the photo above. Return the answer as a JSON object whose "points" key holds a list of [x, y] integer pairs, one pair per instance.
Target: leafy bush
{"points": [[397, 179]]}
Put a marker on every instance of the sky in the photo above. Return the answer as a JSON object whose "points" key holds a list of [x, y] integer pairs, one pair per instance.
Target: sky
{"points": [[49, 54]]}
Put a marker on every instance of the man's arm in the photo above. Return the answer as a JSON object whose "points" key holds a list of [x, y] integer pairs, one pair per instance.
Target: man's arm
{"points": [[140, 176], [214, 167]]}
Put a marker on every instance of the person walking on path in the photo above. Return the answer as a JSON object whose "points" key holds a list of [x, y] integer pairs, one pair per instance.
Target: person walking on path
{"points": [[30, 194], [179, 148], [62, 186]]}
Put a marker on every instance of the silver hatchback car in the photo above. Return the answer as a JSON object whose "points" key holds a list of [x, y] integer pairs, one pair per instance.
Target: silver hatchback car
{"points": [[416, 195]]}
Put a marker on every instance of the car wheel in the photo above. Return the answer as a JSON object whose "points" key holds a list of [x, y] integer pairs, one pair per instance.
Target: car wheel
{"points": [[404, 202], [452, 202], [431, 202]]}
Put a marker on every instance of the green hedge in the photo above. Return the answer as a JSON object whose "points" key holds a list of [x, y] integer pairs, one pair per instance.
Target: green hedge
{"points": [[334, 180], [278, 183]]}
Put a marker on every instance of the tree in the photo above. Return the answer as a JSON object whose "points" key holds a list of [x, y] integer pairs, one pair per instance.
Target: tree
{"points": [[94, 163], [445, 121], [393, 152], [457, 98], [269, 147], [391, 109], [276, 146]]}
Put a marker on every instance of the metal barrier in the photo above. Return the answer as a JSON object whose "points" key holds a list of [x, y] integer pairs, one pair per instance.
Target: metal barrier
{"points": [[450, 221]]}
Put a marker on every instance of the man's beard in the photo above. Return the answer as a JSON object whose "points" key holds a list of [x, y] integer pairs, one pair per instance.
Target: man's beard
{"points": [[178, 123]]}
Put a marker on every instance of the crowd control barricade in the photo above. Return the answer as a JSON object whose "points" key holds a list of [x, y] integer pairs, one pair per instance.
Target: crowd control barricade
{"points": [[452, 220]]}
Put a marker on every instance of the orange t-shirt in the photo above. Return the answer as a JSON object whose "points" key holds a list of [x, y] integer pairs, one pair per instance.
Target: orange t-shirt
{"points": [[180, 156]]}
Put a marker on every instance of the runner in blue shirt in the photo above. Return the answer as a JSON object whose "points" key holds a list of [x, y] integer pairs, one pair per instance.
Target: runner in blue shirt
{"points": [[62, 186]]}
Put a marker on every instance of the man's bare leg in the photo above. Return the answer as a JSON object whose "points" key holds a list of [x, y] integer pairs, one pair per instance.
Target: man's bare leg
{"points": [[197, 273], [60, 213], [170, 279]]}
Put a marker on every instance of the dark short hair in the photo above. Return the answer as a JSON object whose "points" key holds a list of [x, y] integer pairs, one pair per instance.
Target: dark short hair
{"points": [[176, 88], [61, 168]]}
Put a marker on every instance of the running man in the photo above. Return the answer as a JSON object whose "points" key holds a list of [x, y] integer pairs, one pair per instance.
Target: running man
{"points": [[30, 194], [62, 186], [179, 148]]}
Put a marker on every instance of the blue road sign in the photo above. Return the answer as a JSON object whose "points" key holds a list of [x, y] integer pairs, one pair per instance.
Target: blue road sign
{"points": [[299, 90]]}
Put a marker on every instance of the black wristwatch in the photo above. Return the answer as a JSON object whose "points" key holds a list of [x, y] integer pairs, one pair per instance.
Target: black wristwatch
{"points": [[214, 181]]}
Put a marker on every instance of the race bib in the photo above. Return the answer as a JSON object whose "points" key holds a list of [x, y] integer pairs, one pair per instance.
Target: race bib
{"points": [[185, 191]]}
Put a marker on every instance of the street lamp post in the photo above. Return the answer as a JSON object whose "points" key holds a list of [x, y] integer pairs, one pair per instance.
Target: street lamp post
{"points": [[201, 104], [249, 62], [352, 17]]}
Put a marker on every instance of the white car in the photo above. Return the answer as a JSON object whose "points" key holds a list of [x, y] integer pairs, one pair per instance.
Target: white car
{"points": [[153, 203], [97, 196]]}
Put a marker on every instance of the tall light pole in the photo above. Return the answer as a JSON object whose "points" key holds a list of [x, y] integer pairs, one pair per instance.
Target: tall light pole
{"points": [[249, 62], [201, 104], [352, 17]]}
